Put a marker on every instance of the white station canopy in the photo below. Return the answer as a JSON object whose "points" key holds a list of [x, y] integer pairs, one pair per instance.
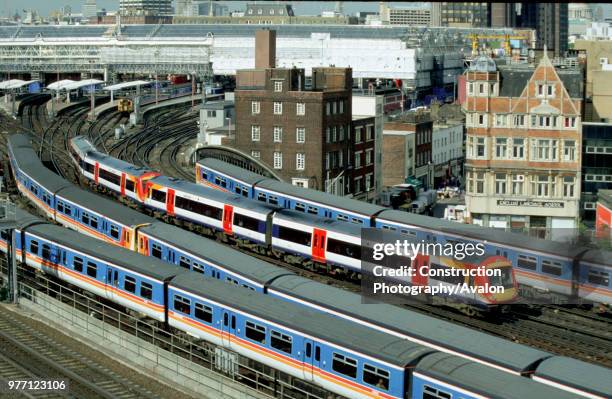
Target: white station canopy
{"points": [[82, 83], [15, 83], [127, 85], [60, 84]]}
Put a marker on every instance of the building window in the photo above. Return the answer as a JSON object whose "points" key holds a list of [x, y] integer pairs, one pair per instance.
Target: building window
{"points": [[300, 182], [327, 108], [519, 120], [358, 160], [341, 106], [255, 107], [501, 146], [327, 135], [256, 154], [368, 157], [540, 90], [500, 120], [471, 89], [369, 132], [369, 181], [358, 135], [541, 185], [278, 86], [518, 148], [334, 135], [211, 114], [481, 119], [341, 133], [481, 88], [278, 134], [500, 183], [300, 161], [550, 90], [544, 150], [570, 122], [568, 186], [278, 108], [300, 109], [335, 107], [255, 132], [569, 150], [300, 135], [278, 160], [517, 184], [548, 121], [327, 160], [480, 182], [480, 147]]}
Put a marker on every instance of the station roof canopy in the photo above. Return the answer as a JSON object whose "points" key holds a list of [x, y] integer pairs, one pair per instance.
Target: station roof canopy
{"points": [[127, 85], [15, 83], [82, 83], [60, 84]]}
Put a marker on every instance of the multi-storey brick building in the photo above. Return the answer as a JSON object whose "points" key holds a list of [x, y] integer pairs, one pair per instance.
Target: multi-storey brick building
{"points": [[303, 134], [523, 146], [362, 146]]}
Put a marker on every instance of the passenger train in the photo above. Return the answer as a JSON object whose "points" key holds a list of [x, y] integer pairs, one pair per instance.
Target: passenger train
{"points": [[189, 251], [542, 267], [338, 355], [287, 234]]}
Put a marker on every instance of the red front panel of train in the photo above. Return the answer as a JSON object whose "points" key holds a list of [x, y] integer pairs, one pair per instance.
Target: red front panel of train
{"points": [[318, 245], [123, 184], [170, 202], [228, 217], [96, 172]]}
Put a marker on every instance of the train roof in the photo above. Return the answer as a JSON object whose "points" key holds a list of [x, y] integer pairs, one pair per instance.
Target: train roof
{"points": [[104, 206], [322, 326], [470, 231], [577, 374], [150, 267], [211, 193], [29, 163], [232, 260], [598, 257], [232, 171], [85, 146], [334, 201], [320, 222], [512, 356], [480, 379], [25, 218]]}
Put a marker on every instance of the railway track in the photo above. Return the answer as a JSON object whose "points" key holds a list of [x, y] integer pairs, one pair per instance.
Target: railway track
{"points": [[38, 356], [580, 339]]}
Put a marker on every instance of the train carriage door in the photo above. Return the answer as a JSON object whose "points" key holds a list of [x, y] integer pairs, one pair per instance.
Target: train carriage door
{"points": [[123, 184], [318, 245], [421, 265], [228, 217], [96, 172], [143, 245], [170, 202], [112, 281], [229, 320], [307, 359]]}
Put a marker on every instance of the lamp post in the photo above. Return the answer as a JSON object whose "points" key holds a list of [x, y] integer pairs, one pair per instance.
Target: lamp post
{"points": [[229, 123]]}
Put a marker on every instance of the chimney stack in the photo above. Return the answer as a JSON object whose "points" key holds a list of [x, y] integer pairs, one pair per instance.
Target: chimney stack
{"points": [[265, 49]]}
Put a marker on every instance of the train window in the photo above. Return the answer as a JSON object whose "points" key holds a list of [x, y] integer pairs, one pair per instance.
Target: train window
{"points": [[34, 247], [527, 262], [280, 341], [92, 270], [157, 195], [387, 227], [439, 275], [4, 234], [109, 177], [225, 319], [376, 376], [114, 231], [197, 268], [85, 218], [232, 281], [146, 290], [35, 190], [94, 222], [246, 222], [184, 262], [67, 209], [238, 190], [64, 257], [300, 207], [245, 192], [233, 322], [318, 353], [261, 197], [89, 167], [198, 207], [344, 218], [78, 264], [203, 312], [598, 277], [550, 267], [273, 200], [344, 365], [433, 393], [356, 221], [156, 251], [46, 252], [308, 349], [129, 185], [343, 248], [289, 234], [255, 332], [182, 304], [204, 175], [60, 206], [129, 284], [313, 210]]}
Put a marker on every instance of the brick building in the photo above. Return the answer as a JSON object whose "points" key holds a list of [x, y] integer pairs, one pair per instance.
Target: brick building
{"points": [[363, 138], [303, 134], [523, 146], [406, 149]]}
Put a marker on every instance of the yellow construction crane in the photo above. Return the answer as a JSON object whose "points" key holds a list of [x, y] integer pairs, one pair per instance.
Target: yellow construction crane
{"points": [[507, 37]]}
